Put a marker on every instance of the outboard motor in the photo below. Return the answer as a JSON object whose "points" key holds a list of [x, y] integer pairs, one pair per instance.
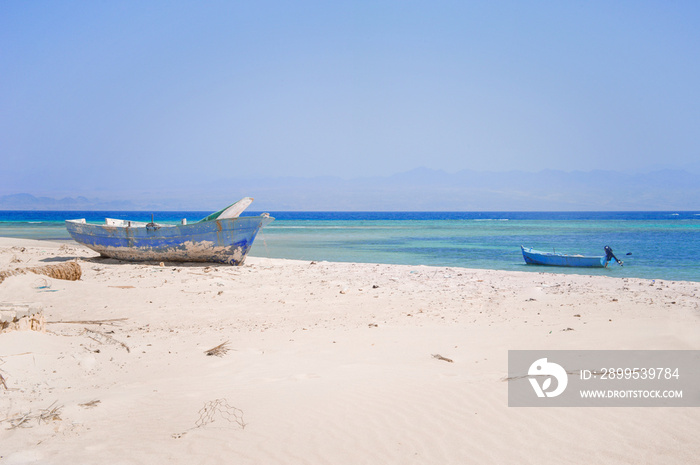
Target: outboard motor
{"points": [[609, 255]]}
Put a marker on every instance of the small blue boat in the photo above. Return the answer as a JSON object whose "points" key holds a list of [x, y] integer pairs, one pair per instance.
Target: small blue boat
{"points": [[536, 257], [222, 237]]}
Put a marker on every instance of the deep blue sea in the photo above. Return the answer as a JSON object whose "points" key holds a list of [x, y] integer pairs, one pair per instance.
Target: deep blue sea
{"points": [[653, 245]]}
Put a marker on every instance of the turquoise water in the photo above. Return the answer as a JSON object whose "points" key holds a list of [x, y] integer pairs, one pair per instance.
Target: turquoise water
{"points": [[661, 245]]}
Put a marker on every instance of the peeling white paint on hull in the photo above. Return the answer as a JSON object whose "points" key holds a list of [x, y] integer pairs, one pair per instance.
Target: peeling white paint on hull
{"points": [[195, 253]]}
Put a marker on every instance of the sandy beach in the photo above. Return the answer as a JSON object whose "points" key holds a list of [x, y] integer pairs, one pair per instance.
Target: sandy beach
{"points": [[321, 363]]}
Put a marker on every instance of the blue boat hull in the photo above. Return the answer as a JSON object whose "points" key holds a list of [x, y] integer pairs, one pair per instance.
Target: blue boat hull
{"points": [[221, 241], [536, 257]]}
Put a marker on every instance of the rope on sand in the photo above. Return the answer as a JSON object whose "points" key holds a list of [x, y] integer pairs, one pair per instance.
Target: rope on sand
{"points": [[69, 271]]}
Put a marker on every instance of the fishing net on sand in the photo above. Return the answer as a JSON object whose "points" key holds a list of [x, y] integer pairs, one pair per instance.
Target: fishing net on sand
{"points": [[208, 413]]}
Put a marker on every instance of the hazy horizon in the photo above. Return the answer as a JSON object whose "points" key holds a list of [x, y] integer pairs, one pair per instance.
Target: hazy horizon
{"points": [[421, 189]]}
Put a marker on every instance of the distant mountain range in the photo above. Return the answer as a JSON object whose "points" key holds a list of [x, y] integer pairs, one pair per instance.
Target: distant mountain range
{"points": [[30, 202], [420, 189]]}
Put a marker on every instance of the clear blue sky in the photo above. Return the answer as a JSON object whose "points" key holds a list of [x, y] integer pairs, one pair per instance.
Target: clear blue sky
{"points": [[126, 93]]}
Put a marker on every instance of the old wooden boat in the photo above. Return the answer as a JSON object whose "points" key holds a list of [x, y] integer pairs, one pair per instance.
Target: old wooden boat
{"points": [[222, 237], [536, 257]]}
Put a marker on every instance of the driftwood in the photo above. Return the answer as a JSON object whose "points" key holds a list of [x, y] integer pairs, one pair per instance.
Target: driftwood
{"points": [[69, 271]]}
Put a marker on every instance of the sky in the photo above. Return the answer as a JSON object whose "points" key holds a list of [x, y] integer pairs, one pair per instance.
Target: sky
{"points": [[112, 95]]}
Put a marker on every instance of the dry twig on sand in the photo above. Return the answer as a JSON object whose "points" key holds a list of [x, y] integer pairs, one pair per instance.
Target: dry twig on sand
{"points": [[90, 404], [219, 350], [111, 321], [445, 359], [69, 271], [104, 338], [48, 414], [18, 420]]}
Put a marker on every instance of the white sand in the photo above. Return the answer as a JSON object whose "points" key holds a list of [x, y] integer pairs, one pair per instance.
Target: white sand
{"points": [[325, 368]]}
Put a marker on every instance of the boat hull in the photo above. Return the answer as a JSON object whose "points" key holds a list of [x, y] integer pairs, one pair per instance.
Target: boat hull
{"points": [[221, 241], [536, 257]]}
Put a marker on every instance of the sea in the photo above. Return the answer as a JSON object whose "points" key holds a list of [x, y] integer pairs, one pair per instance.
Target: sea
{"points": [[652, 245]]}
